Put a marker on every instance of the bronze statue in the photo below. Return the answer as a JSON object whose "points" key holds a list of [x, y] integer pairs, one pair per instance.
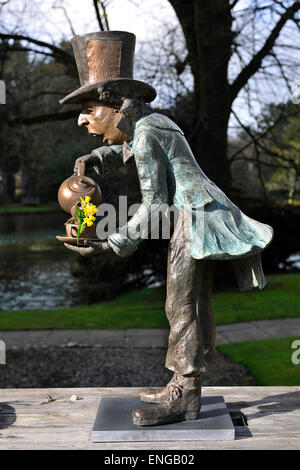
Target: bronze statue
{"points": [[115, 107]]}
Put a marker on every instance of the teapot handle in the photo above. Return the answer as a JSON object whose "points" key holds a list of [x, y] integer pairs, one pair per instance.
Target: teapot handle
{"points": [[81, 168]]}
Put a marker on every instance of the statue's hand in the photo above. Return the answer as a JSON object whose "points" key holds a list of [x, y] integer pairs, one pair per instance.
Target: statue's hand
{"points": [[85, 161], [90, 247], [96, 159]]}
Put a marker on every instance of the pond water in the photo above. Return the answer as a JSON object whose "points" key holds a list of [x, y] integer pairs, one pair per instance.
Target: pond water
{"points": [[293, 262], [35, 268]]}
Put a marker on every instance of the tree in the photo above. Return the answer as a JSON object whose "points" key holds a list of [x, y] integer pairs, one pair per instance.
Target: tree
{"points": [[212, 39], [217, 41], [280, 159]]}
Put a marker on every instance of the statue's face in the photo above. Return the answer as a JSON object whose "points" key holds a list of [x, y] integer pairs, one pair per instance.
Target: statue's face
{"points": [[101, 120]]}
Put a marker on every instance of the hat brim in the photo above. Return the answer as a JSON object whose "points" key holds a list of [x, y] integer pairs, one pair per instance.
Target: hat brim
{"points": [[123, 86]]}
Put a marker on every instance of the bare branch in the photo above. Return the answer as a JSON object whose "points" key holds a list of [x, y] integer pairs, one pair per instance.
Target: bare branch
{"points": [[255, 63], [103, 6], [4, 3], [280, 66], [67, 18], [258, 145], [58, 53], [27, 49], [259, 172], [98, 15], [232, 5], [262, 162]]}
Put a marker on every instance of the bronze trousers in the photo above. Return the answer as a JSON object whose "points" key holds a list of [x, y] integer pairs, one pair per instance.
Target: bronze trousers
{"points": [[188, 306]]}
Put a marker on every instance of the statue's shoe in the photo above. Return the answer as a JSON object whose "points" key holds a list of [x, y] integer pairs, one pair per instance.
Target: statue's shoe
{"points": [[151, 395], [181, 404]]}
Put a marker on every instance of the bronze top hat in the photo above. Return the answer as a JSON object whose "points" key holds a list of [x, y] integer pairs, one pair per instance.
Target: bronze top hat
{"points": [[106, 58]]}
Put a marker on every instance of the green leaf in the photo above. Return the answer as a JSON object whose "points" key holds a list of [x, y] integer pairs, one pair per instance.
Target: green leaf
{"points": [[81, 228], [78, 212]]}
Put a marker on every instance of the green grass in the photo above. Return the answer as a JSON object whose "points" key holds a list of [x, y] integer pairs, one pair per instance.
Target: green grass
{"points": [[18, 209], [268, 361], [138, 309], [145, 309], [279, 299]]}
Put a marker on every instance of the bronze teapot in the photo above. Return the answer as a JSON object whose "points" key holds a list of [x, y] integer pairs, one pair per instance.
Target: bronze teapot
{"points": [[76, 187]]}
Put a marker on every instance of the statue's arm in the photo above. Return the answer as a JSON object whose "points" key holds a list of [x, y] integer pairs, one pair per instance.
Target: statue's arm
{"points": [[152, 173], [96, 158]]}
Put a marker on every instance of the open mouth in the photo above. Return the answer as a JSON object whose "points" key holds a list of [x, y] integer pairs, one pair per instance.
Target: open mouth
{"points": [[98, 135]]}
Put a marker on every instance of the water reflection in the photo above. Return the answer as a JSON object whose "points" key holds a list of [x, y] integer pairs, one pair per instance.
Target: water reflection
{"points": [[35, 269], [19, 228]]}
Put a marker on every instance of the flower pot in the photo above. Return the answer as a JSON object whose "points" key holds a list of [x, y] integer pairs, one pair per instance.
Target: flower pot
{"points": [[88, 232]]}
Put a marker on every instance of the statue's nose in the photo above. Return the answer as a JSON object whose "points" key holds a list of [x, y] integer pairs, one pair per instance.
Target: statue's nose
{"points": [[82, 120]]}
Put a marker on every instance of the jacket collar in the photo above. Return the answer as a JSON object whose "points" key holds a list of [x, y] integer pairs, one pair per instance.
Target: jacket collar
{"points": [[154, 121], [127, 152]]}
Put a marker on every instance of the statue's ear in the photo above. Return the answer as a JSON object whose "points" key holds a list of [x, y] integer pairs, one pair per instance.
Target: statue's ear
{"points": [[124, 125]]}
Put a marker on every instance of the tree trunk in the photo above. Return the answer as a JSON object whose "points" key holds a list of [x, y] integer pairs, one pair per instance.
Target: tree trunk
{"points": [[207, 30], [11, 186]]}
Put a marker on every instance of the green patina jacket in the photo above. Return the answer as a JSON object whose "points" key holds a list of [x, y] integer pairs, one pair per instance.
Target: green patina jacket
{"points": [[169, 174]]}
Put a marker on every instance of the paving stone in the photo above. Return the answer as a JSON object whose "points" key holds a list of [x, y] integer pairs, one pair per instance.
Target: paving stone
{"points": [[146, 338], [250, 334], [221, 338], [233, 327]]}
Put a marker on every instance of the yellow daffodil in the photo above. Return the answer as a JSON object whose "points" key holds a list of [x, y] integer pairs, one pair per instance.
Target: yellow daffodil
{"points": [[90, 217], [85, 214], [89, 209], [88, 222], [85, 202]]}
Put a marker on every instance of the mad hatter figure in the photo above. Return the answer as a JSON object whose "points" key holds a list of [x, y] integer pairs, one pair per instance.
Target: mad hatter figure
{"points": [[114, 106]]}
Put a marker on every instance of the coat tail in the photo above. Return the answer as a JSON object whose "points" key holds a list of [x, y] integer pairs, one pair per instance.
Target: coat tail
{"points": [[249, 273]]}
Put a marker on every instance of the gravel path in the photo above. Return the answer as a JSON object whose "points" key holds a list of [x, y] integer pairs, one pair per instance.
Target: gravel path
{"points": [[103, 367]]}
